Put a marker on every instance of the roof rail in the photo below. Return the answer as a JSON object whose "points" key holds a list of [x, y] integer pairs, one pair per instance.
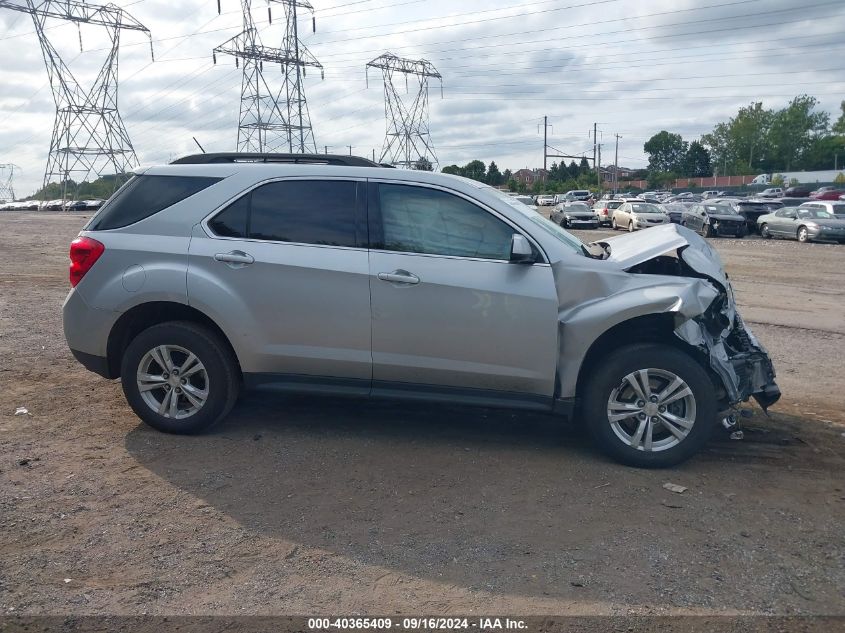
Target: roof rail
{"points": [[308, 159]]}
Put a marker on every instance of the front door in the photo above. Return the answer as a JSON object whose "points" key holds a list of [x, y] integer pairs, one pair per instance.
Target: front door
{"points": [[448, 308]]}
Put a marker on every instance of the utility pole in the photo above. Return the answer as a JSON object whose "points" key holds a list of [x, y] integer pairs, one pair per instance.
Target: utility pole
{"points": [[350, 149], [595, 140], [616, 165], [545, 140], [273, 118], [598, 166], [88, 132], [408, 138]]}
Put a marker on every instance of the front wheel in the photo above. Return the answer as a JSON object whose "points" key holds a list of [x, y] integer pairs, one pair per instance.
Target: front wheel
{"points": [[764, 232], [707, 230], [650, 405], [803, 235], [613, 224], [630, 227], [179, 377]]}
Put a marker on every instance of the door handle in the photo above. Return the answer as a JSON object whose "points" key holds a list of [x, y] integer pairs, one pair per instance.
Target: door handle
{"points": [[235, 257], [400, 277]]}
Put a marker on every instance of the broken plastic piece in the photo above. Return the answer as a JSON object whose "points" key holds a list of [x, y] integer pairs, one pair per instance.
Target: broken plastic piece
{"points": [[21, 411], [674, 488]]}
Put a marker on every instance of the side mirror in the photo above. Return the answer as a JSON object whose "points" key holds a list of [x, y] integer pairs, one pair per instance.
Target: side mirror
{"points": [[521, 251]]}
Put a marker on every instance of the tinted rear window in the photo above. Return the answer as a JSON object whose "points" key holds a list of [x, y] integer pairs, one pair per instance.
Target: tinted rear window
{"points": [[302, 211], [144, 196]]}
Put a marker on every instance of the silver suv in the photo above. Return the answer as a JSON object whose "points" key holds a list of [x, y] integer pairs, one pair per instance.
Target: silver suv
{"points": [[329, 274]]}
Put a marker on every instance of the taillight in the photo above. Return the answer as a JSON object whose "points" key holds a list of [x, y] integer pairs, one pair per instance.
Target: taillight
{"points": [[604, 211], [84, 252]]}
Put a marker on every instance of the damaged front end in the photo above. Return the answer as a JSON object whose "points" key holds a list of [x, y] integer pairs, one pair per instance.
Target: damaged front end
{"points": [[734, 353]]}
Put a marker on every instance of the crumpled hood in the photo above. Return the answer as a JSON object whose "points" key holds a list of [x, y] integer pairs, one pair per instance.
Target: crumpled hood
{"points": [[631, 249]]}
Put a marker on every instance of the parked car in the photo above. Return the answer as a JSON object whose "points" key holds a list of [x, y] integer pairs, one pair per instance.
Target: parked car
{"points": [[527, 201], [378, 295], [675, 211], [798, 191], [604, 210], [638, 215], [713, 220], [833, 207], [827, 194], [749, 209], [803, 224], [580, 195], [575, 215], [545, 201], [709, 194], [771, 192]]}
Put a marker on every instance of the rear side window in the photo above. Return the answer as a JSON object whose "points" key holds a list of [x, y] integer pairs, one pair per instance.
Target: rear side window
{"points": [[318, 212], [144, 196]]}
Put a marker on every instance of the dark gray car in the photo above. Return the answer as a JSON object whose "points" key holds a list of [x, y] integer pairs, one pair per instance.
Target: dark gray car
{"points": [[575, 215], [713, 220]]}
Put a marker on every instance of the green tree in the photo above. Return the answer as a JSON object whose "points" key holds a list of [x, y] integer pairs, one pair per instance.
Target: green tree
{"points": [[451, 169], [507, 176], [739, 144], [423, 164], [777, 180], [697, 161], [474, 169], [795, 129], [839, 126], [573, 170], [494, 176], [584, 167], [666, 152], [513, 185], [839, 180]]}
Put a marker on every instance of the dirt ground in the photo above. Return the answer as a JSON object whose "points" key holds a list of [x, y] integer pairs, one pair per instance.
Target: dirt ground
{"points": [[317, 506]]}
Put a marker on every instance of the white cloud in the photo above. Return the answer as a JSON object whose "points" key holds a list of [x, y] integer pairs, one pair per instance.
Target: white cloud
{"points": [[636, 68]]}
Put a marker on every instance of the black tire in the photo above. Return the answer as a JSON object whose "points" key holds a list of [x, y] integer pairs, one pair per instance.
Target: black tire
{"points": [[707, 230], [743, 232], [223, 374], [613, 224], [631, 227], [609, 375], [764, 231]]}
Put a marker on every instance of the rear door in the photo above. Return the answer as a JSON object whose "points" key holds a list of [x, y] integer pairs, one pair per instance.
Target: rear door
{"points": [[449, 309], [283, 269]]}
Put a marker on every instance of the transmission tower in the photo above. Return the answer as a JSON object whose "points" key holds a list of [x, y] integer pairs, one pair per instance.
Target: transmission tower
{"points": [[273, 119], [7, 182], [88, 133], [407, 142]]}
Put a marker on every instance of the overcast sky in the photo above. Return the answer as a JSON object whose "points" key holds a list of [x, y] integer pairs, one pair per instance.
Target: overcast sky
{"points": [[633, 67]]}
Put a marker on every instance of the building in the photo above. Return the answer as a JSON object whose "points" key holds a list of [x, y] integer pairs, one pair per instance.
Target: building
{"points": [[530, 176]]}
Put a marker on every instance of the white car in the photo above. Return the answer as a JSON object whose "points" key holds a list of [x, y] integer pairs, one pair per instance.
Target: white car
{"points": [[528, 201], [638, 215], [545, 201]]}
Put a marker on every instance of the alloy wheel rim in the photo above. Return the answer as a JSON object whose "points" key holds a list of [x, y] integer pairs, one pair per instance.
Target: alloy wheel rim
{"points": [[651, 410], [172, 381]]}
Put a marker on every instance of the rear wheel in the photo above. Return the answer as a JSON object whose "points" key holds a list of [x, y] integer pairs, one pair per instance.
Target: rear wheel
{"points": [[179, 377], [803, 235], [764, 232], [650, 405], [630, 227], [613, 224]]}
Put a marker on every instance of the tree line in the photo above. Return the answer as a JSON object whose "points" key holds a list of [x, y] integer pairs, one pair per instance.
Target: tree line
{"points": [[798, 137]]}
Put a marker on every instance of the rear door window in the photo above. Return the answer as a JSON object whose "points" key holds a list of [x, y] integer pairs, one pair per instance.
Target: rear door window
{"points": [[320, 212], [144, 196]]}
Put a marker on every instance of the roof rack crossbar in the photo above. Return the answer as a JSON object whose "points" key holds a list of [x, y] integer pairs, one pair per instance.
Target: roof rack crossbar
{"points": [[307, 159]]}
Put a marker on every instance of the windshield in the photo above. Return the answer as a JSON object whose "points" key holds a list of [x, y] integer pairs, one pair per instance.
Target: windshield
{"points": [[817, 214], [525, 200], [645, 207], [838, 208], [549, 227]]}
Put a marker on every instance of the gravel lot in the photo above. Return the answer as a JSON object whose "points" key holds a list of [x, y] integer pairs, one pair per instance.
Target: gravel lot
{"points": [[309, 505]]}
